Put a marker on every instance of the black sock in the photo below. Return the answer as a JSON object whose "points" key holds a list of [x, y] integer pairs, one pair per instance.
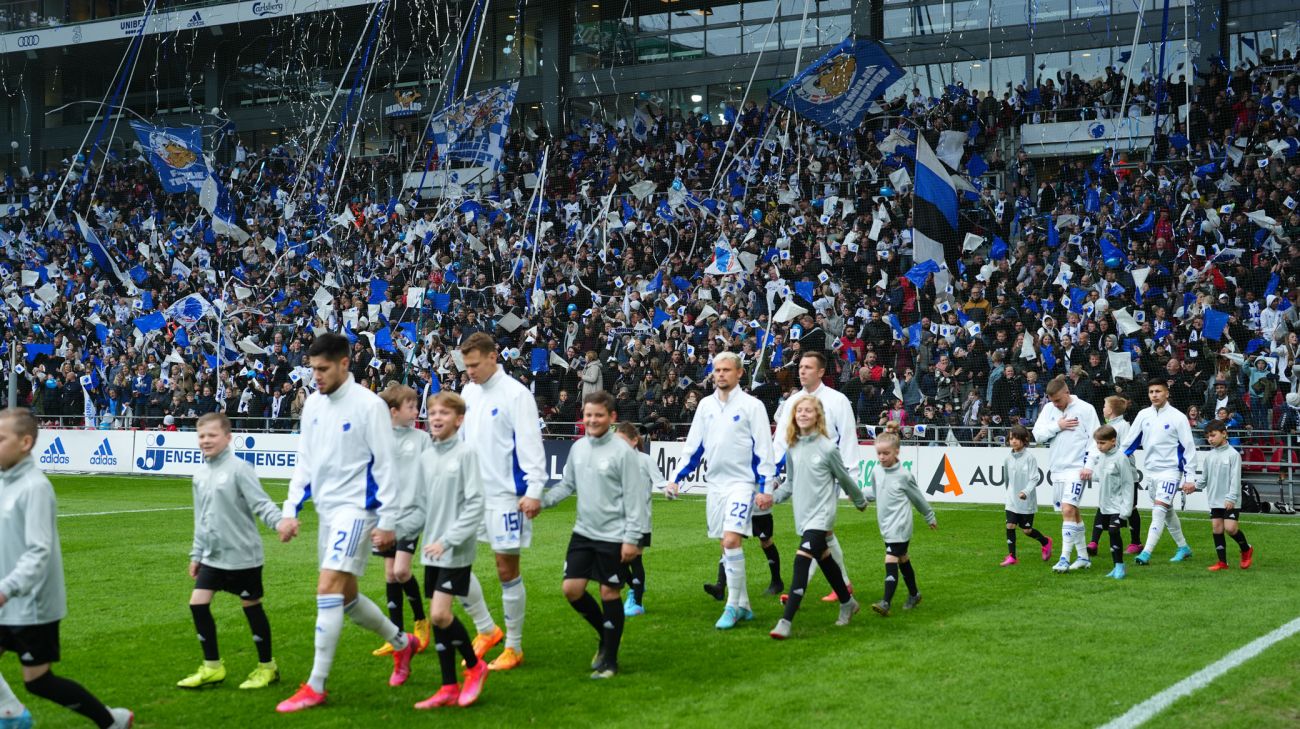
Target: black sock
{"points": [[798, 586], [1240, 539], [413, 597], [1221, 547], [773, 561], [460, 641], [1096, 528], [909, 577], [446, 655], [831, 571], [394, 591], [207, 629], [613, 626], [1116, 545], [72, 695], [589, 609], [1038, 537], [1135, 527], [891, 580], [1011, 542], [637, 565], [261, 630], [722, 572]]}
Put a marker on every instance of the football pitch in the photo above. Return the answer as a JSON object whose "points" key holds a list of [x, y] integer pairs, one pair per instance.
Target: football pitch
{"points": [[988, 646]]}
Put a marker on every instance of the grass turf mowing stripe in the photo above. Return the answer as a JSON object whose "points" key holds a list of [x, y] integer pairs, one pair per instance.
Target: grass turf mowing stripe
{"points": [[125, 511], [1148, 709]]}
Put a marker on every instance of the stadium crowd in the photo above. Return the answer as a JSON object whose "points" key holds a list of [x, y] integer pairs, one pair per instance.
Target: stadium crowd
{"points": [[616, 294]]}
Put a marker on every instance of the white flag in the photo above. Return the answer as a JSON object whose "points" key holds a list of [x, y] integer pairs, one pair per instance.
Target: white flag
{"points": [[1121, 366]]}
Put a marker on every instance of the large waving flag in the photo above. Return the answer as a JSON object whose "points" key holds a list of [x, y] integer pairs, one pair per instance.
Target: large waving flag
{"points": [[725, 261], [176, 154], [189, 311], [100, 253], [214, 198], [934, 212], [474, 130], [836, 90]]}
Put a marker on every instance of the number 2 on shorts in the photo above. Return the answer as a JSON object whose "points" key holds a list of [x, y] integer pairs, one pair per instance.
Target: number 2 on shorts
{"points": [[739, 510]]}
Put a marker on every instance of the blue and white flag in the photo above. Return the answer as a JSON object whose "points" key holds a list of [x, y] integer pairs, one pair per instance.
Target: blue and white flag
{"points": [[189, 311], [836, 90], [725, 260], [101, 256], [934, 212], [641, 123], [474, 130], [176, 154]]}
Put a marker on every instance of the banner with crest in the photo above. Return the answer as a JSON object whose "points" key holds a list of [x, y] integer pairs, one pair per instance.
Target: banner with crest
{"points": [[837, 89], [176, 154]]}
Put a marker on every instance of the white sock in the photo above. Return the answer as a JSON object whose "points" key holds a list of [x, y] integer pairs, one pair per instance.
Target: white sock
{"points": [[476, 607], [737, 592], [837, 554], [1158, 515], [366, 613], [1067, 540], [10, 706], [1080, 543], [329, 623], [1175, 527], [513, 602]]}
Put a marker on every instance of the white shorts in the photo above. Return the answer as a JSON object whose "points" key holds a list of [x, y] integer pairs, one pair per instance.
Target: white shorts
{"points": [[1162, 486], [730, 509], [505, 528], [343, 543], [1067, 488]]}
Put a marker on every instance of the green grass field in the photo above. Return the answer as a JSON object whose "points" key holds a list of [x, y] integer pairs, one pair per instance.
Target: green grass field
{"points": [[1007, 646]]}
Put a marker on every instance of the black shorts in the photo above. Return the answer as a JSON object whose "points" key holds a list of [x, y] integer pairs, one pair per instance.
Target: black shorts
{"points": [[897, 549], [1024, 521], [644, 541], [813, 541], [1233, 514], [402, 545], [588, 559], [764, 526], [1111, 521], [245, 584], [35, 645], [451, 580]]}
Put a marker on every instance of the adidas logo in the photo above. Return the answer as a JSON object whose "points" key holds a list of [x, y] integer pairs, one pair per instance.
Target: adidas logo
{"points": [[27, 657], [244, 593], [55, 454], [257, 639], [890, 579], [613, 578], [608, 625], [446, 585], [805, 545], [103, 455], [799, 592], [195, 20]]}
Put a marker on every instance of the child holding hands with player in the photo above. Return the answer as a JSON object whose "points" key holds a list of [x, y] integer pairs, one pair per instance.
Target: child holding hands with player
{"points": [[896, 493], [1022, 495]]}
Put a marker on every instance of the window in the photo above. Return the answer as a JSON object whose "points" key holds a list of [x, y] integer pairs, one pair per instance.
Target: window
{"points": [[898, 23], [687, 45], [723, 41], [834, 29], [1009, 12]]}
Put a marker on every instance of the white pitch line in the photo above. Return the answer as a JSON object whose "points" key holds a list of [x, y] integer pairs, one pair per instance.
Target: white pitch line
{"points": [[1147, 710], [126, 511]]}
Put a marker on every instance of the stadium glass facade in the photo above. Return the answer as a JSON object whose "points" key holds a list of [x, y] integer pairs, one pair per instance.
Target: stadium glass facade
{"points": [[574, 60]]}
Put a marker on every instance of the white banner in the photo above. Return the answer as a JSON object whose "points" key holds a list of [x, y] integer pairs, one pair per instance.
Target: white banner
{"points": [[969, 475], [95, 451], [177, 453], [191, 18]]}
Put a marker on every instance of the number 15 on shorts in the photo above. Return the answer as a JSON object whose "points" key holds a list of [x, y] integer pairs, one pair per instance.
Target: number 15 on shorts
{"points": [[512, 523]]}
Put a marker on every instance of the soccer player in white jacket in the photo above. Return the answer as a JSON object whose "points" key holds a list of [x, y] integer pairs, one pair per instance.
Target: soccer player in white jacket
{"points": [[1068, 423], [842, 427], [345, 465], [1169, 466], [502, 425], [730, 434]]}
